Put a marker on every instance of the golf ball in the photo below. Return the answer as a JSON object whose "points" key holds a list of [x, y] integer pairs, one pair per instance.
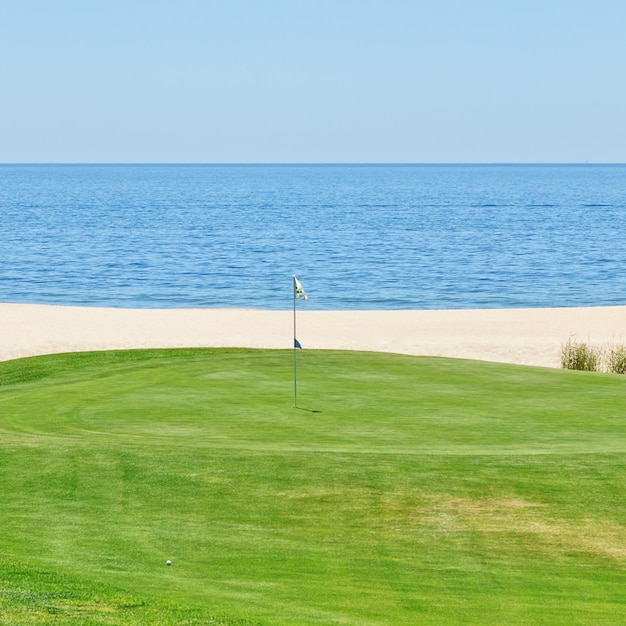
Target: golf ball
{"points": [[168, 562]]}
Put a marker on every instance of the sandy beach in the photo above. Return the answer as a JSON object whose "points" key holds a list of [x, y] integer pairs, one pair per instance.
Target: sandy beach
{"points": [[522, 336]]}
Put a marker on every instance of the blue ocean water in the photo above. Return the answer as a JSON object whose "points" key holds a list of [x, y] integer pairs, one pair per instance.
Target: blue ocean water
{"points": [[357, 236]]}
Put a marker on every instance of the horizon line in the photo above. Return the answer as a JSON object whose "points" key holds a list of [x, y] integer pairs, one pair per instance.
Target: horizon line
{"points": [[313, 163]]}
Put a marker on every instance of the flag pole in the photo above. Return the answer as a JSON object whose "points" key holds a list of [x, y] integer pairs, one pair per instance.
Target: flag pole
{"points": [[298, 294], [295, 351]]}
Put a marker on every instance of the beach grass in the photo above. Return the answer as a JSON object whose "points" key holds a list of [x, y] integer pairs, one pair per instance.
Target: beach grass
{"points": [[576, 355], [616, 359], [401, 490]]}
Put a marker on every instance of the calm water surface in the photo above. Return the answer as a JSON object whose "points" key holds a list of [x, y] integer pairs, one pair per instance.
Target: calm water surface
{"points": [[358, 237]]}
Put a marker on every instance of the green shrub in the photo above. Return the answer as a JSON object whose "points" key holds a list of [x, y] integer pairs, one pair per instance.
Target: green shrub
{"points": [[580, 356], [616, 360]]}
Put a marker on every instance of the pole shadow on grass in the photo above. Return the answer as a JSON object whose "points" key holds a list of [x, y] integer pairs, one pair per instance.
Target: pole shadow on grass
{"points": [[301, 408]]}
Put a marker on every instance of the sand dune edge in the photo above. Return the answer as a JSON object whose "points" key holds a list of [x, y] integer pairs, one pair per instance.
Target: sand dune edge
{"points": [[521, 336]]}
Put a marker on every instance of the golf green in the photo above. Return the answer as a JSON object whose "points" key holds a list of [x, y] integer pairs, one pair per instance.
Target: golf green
{"points": [[399, 490]]}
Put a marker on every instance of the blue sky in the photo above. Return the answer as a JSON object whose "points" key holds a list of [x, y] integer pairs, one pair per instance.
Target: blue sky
{"points": [[312, 81]]}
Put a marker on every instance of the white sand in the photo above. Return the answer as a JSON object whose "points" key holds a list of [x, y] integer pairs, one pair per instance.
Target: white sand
{"points": [[524, 336]]}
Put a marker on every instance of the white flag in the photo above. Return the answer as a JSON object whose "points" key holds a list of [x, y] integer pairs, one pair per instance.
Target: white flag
{"points": [[298, 290]]}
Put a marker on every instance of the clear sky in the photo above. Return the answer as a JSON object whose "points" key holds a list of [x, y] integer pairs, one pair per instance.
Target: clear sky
{"points": [[312, 81]]}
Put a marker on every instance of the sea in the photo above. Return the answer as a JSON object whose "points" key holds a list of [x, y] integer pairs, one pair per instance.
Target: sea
{"points": [[356, 236]]}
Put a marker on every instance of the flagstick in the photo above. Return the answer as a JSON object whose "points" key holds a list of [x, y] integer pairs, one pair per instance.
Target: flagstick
{"points": [[295, 358], [298, 293]]}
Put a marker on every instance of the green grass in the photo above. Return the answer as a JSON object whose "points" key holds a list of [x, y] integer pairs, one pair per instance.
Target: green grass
{"points": [[402, 491]]}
